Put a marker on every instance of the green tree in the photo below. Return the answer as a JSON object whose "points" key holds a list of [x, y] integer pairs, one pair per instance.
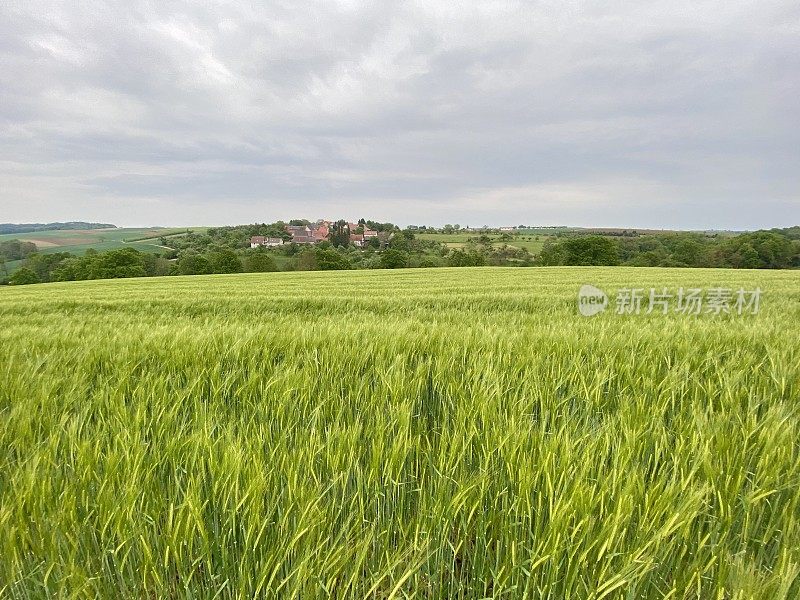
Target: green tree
{"points": [[591, 250], [193, 264], [392, 258], [16, 250], [260, 262], [760, 249], [746, 257], [44, 265], [339, 234], [225, 261], [466, 258], [125, 262], [23, 276], [376, 226], [552, 254], [585, 250], [307, 261], [330, 260], [401, 240], [688, 252]]}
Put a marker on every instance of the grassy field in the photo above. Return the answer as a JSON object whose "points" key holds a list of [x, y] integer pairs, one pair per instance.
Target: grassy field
{"points": [[78, 241], [459, 240], [446, 433]]}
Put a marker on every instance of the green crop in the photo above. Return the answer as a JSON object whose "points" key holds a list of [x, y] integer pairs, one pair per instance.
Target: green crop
{"points": [[446, 433]]}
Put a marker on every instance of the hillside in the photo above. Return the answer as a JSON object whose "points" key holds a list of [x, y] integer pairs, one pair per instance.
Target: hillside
{"points": [[428, 433], [69, 226], [77, 241]]}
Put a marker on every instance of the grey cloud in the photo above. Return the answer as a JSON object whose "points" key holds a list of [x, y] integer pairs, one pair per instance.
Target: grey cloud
{"points": [[679, 114]]}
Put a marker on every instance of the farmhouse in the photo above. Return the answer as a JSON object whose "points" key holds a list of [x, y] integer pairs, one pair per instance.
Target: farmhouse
{"points": [[320, 231], [260, 240], [301, 234]]}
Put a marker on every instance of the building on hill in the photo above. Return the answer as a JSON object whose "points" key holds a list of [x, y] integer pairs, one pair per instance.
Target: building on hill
{"points": [[259, 240], [301, 234], [320, 232], [309, 234]]}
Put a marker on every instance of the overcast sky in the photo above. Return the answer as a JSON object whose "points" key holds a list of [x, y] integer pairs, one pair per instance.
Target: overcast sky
{"points": [[669, 114]]}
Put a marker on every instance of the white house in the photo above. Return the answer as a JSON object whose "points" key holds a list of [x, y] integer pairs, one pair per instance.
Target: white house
{"points": [[260, 240]]}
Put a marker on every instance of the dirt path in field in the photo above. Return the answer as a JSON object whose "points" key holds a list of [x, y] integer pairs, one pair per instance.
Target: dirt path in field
{"points": [[145, 242], [40, 243]]}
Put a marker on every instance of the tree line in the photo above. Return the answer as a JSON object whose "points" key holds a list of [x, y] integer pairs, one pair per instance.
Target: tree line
{"points": [[227, 250], [71, 225], [773, 249]]}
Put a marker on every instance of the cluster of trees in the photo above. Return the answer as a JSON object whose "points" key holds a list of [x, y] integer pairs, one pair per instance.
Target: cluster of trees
{"points": [[224, 260], [588, 250], [401, 256], [218, 238], [774, 249], [113, 264], [16, 250], [759, 250], [129, 262]]}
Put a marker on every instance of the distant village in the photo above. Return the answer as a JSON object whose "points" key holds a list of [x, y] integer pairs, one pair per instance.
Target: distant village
{"points": [[360, 235]]}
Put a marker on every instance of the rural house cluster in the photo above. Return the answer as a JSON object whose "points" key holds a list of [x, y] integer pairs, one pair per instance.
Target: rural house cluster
{"points": [[320, 231]]}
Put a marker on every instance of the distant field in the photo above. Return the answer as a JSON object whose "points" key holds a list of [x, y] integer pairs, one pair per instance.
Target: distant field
{"points": [[447, 238], [425, 433], [545, 230], [621, 230], [532, 245], [78, 241], [527, 238], [459, 240]]}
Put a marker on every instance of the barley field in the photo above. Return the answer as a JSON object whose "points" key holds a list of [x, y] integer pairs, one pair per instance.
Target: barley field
{"points": [[445, 433]]}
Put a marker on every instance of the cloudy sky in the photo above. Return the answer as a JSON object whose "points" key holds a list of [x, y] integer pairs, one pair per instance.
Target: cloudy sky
{"points": [[673, 113]]}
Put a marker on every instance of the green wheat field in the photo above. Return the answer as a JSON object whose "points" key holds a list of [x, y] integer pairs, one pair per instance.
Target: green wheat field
{"points": [[445, 433]]}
